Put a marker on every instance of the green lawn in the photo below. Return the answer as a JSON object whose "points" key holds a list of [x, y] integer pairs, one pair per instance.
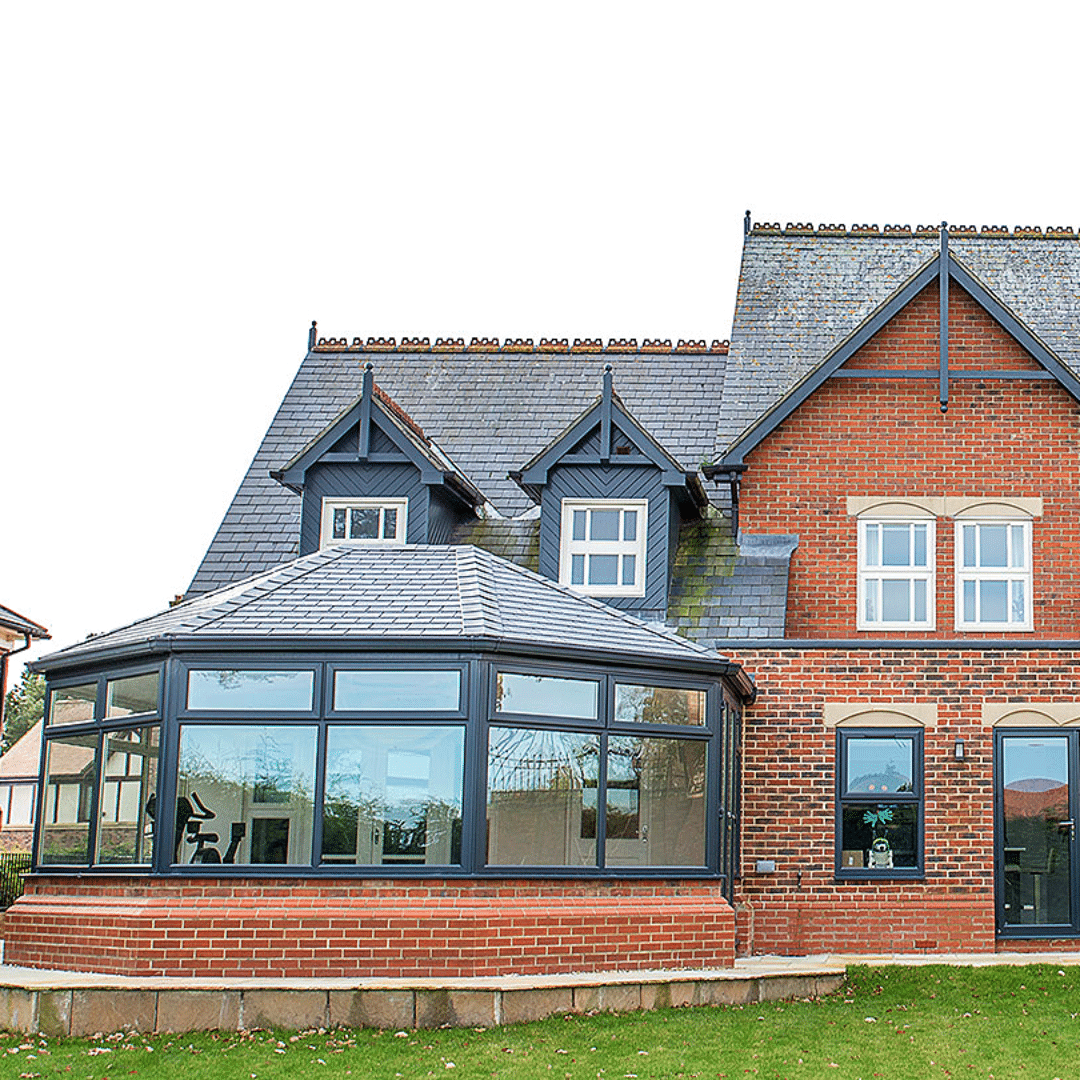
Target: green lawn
{"points": [[892, 1022]]}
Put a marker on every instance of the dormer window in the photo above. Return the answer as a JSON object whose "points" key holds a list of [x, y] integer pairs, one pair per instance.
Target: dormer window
{"points": [[363, 521], [603, 546]]}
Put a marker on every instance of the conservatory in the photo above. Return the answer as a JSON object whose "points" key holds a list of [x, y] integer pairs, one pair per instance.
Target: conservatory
{"points": [[322, 768]]}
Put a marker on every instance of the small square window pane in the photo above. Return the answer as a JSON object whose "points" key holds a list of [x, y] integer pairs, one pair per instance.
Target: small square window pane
{"points": [[873, 556], [993, 545], [919, 592], [389, 528], [969, 545], [969, 601], [993, 601], [577, 570], [604, 570], [919, 538], [1019, 605], [629, 525], [579, 524], [895, 600], [1019, 548], [364, 523], [629, 564], [339, 523], [896, 545], [604, 525]]}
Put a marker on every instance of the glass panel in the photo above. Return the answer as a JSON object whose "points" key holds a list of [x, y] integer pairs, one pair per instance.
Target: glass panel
{"points": [[136, 694], [873, 557], [363, 523], [604, 525], [993, 545], [919, 589], [872, 587], [879, 836], [22, 805], [393, 795], [603, 569], [339, 523], [895, 545], [244, 794], [577, 570], [263, 690], [1037, 848], [919, 540], [579, 524], [655, 802], [969, 601], [880, 764], [629, 524], [1019, 548], [629, 568], [398, 691], [73, 704], [389, 529], [128, 796], [541, 798], [546, 695], [70, 768], [969, 546], [993, 601], [895, 600], [658, 704], [1018, 605]]}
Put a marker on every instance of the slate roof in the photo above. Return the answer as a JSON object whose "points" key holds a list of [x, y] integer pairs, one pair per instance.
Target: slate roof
{"points": [[416, 592], [490, 413], [800, 295], [12, 620]]}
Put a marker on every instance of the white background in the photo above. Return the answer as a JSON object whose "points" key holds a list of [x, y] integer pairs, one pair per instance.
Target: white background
{"points": [[185, 187]]}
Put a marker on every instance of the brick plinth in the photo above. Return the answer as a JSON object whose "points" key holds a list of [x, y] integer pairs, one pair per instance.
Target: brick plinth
{"points": [[334, 928]]}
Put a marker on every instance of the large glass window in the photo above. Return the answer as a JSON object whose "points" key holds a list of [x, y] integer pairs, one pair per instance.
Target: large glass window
{"points": [[245, 794], [73, 704], [393, 795], [227, 689], [397, 690], [993, 575], [129, 769], [603, 546], [896, 574], [542, 797], [880, 802], [68, 796]]}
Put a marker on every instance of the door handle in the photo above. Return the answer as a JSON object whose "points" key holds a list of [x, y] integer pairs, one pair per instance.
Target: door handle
{"points": [[1070, 825]]}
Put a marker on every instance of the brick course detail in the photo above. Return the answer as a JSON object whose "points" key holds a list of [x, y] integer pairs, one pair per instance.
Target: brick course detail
{"points": [[334, 928]]}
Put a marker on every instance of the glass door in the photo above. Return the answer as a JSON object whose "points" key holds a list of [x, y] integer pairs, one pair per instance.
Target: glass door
{"points": [[1036, 831]]}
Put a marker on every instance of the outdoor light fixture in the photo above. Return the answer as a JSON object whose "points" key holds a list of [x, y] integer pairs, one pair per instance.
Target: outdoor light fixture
{"points": [[958, 749]]}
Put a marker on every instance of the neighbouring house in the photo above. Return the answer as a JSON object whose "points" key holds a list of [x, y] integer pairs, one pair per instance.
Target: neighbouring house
{"points": [[514, 657]]}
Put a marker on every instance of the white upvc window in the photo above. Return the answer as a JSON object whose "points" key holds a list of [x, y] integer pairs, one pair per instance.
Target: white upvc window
{"points": [[603, 546], [363, 521], [993, 575], [896, 575]]}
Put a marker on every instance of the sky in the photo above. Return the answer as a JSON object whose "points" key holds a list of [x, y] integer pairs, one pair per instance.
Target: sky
{"points": [[185, 187]]}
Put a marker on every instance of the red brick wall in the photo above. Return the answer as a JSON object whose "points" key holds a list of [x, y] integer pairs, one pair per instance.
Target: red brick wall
{"points": [[789, 800], [889, 437], [335, 928]]}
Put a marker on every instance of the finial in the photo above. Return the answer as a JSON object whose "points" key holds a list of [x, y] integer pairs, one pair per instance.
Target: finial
{"points": [[608, 368], [746, 223], [369, 366], [311, 334]]}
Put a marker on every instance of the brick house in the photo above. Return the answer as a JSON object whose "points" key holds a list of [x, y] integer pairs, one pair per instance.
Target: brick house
{"points": [[425, 709]]}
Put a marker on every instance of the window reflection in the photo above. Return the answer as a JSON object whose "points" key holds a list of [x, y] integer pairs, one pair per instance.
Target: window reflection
{"points": [[128, 787], [244, 794], [408, 690], [70, 766], [269, 691], [659, 705], [541, 797], [546, 695], [73, 704], [393, 795], [134, 694]]}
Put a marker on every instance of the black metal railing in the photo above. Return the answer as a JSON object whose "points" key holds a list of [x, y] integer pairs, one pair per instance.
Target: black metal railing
{"points": [[14, 866]]}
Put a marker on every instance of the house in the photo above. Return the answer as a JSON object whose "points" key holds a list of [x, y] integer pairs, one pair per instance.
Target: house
{"points": [[515, 657]]}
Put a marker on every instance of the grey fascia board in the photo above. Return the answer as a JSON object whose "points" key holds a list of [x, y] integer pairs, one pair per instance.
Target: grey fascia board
{"points": [[293, 472], [1015, 326], [535, 471], [839, 356]]}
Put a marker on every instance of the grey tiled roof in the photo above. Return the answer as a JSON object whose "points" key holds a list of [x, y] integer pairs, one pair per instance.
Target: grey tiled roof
{"points": [[489, 413], [416, 592], [801, 296]]}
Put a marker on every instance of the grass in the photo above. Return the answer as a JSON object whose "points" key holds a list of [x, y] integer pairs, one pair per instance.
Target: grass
{"points": [[892, 1022]]}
